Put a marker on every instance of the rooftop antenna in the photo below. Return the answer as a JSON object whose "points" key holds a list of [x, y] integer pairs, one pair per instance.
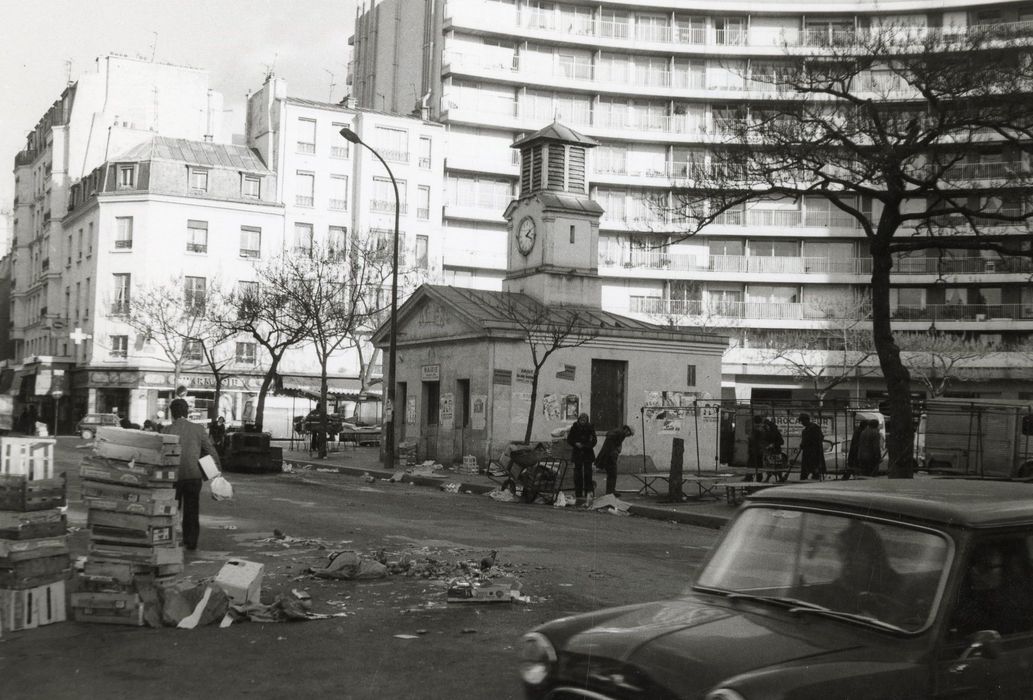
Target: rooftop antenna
{"points": [[270, 69], [68, 71], [154, 46], [332, 84]]}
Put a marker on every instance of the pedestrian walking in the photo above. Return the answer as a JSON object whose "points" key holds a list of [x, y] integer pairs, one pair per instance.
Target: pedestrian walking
{"points": [[775, 460], [755, 449], [852, 466], [812, 449], [869, 449], [194, 443], [606, 460], [582, 439]]}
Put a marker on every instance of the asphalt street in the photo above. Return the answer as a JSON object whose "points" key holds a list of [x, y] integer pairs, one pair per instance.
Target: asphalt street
{"points": [[392, 637]]}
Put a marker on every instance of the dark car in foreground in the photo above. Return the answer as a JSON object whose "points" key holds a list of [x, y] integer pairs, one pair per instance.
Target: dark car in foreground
{"points": [[874, 589]]}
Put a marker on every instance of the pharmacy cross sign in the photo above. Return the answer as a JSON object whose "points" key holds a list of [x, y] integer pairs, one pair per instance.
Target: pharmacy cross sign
{"points": [[78, 336]]}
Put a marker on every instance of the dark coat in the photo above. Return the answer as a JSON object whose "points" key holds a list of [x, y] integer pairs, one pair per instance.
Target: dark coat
{"points": [[194, 443], [812, 448], [584, 434], [755, 447], [611, 449]]}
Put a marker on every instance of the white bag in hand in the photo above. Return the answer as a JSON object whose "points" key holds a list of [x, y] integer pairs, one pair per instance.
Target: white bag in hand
{"points": [[222, 490]]}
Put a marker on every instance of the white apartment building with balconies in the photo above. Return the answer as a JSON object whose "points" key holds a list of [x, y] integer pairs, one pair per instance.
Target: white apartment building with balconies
{"points": [[652, 83]]}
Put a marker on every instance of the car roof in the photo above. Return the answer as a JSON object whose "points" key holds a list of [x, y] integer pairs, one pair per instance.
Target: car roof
{"points": [[972, 503], [100, 415]]}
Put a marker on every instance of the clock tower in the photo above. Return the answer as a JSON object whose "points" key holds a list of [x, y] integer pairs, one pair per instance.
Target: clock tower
{"points": [[553, 226]]}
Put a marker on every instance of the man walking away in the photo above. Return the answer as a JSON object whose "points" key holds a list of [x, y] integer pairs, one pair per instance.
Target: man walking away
{"points": [[812, 449], [608, 454], [869, 449], [193, 444], [755, 449]]}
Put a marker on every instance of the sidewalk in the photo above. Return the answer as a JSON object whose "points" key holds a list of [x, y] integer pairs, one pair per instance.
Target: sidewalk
{"points": [[701, 512]]}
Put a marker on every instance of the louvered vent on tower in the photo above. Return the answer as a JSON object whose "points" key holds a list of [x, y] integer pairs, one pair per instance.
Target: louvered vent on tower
{"points": [[553, 159]]}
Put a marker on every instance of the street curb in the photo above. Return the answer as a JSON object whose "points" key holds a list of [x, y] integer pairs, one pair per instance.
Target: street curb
{"points": [[714, 522]]}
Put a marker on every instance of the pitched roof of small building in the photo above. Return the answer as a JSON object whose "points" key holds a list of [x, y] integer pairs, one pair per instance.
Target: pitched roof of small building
{"points": [[501, 313], [557, 132], [216, 155]]}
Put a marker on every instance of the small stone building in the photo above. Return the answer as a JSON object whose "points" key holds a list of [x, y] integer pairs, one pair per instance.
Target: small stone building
{"points": [[466, 358]]}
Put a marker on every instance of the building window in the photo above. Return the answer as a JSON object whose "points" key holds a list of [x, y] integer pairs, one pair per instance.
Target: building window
{"points": [[393, 144], [424, 152], [690, 376], [246, 298], [250, 242], [245, 353], [123, 232], [119, 345], [68, 261], [306, 136], [384, 196], [89, 239], [250, 187], [198, 180], [305, 189], [126, 177], [343, 149], [337, 241], [303, 238], [339, 192], [194, 293], [120, 293], [197, 236], [421, 261], [423, 202], [192, 350]]}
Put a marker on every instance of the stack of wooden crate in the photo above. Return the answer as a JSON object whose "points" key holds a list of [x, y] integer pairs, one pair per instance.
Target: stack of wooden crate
{"points": [[128, 489], [34, 562]]}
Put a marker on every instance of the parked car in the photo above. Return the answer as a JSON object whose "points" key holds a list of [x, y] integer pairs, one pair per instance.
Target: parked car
{"points": [[87, 426], [874, 589]]}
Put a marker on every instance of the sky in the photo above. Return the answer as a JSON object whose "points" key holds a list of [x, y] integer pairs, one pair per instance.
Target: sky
{"points": [[235, 40]]}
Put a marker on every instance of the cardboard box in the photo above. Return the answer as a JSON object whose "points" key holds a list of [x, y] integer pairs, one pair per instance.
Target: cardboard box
{"points": [[500, 590], [241, 580], [209, 467], [29, 608]]}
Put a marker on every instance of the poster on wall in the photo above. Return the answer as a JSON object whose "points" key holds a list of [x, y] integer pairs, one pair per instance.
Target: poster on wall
{"points": [[571, 407], [478, 411], [447, 411], [525, 375], [410, 410], [552, 407], [662, 405], [670, 425]]}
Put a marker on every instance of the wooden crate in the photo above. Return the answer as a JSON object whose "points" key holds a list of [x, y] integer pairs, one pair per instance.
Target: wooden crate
{"points": [[108, 607], [29, 608], [20, 494], [130, 528], [29, 457], [115, 471], [138, 446], [21, 550], [129, 499], [157, 557], [31, 573], [24, 526]]}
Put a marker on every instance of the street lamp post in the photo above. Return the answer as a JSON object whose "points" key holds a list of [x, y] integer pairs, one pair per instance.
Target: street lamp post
{"points": [[392, 351]]}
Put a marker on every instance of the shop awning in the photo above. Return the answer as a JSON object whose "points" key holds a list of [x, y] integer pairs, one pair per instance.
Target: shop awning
{"points": [[337, 388]]}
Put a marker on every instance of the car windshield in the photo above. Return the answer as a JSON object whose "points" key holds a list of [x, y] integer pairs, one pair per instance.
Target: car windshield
{"points": [[837, 565]]}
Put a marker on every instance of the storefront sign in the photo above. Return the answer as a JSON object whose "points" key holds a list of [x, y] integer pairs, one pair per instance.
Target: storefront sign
{"points": [[525, 375], [430, 373], [503, 377]]}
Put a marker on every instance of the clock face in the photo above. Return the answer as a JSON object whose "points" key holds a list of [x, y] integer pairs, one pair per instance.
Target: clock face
{"points": [[525, 235]]}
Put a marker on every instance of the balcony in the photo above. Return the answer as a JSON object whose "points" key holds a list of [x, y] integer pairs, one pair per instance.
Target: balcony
{"points": [[963, 312], [424, 163], [338, 204], [737, 264], [305, 147], [119, 309], [339, 152], [303, 201], [197, 247], [121, 244], [423, 213], [250, 253], [393, 154], [387, 206]]}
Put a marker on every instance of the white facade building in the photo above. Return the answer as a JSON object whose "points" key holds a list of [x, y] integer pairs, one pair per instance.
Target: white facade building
{"points": [[651, 83]]}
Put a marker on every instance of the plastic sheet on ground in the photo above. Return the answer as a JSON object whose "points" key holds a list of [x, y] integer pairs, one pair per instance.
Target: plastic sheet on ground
{"points": [[611, 503], [502, 495], [350, 566]]}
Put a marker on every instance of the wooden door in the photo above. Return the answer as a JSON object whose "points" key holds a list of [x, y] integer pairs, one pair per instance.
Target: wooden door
{"points": [[609, 380]]}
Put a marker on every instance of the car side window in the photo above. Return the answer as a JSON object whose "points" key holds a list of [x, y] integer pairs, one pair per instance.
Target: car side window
{"points": [[997, 590]]}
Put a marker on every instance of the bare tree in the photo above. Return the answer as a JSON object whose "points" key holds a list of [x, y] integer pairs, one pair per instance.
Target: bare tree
{"points": [[546, 331], [337, 295], [888, 126], [939, 359], [264, 310]]}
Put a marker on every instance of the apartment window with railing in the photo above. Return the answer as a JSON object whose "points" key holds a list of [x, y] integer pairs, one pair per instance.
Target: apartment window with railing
{"points": [[384, 196], [192, 351], [86, 311], [119, 345], [68, 260], [424, 153], [483, 193], [246, 300], [123, 232], [393, 144], [198, 178], [421, 252], [194, 290], [197, 236], [303, 238], [126, 177], [423, 202], [304, 188], [690, 30], [614, 24], [250, 242], [250, 187], [306, 136], [342, 149], [245, 354], [339, 192], [730, 31], [120, 293]]}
